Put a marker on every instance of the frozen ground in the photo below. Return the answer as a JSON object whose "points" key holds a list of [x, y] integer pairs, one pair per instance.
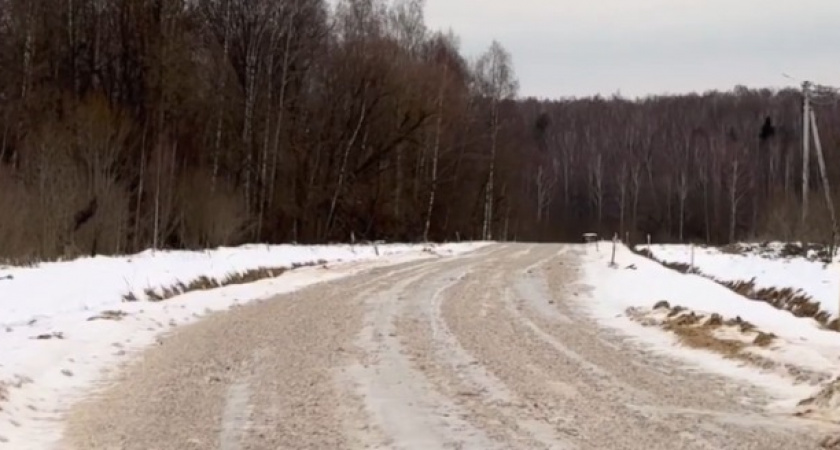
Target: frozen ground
{"points": [[490, 350], [499, 346], [52, 348]]}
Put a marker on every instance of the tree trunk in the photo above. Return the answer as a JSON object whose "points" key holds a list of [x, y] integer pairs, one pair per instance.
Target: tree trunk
{"points": [[140, 186], [435, 156], [487, 226], [281, 108], [683, 193], [217, 144], [733, 201], [637, 186], [342, 173], [622, 201], [158, 170]]}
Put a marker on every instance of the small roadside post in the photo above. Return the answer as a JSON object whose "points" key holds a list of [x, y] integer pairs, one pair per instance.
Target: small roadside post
{"points": [[590, 238], [691, 268]]}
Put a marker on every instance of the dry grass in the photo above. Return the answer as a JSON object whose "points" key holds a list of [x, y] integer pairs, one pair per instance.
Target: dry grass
{"points": [[790, 250], [204, 283], [679, 267], [706, 332], [114, 315], [644, 252], [786, 299], [732, 249], [48, 336], [703, 331]]}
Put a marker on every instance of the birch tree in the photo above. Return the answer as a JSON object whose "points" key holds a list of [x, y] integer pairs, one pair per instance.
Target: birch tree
{"points": [[495, 81]]}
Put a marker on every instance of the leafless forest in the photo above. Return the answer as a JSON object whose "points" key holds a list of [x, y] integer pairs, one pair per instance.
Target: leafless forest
{"points": [[129, 124]]}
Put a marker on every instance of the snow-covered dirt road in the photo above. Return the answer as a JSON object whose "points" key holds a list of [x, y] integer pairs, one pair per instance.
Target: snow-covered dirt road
{"points": [[487, 350]]}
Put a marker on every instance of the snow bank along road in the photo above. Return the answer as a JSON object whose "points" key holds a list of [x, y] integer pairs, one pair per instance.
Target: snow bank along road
{"points": [[487, 350]]}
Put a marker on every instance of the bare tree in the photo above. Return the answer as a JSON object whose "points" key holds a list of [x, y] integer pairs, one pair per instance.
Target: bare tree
{"points": [[495, 81], [137, 123]]}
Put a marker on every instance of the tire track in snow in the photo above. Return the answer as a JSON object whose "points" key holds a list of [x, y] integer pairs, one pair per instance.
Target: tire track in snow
{"points": [[235, 415]]}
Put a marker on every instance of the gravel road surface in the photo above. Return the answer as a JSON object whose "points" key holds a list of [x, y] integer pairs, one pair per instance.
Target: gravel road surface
{"points": [[488, 350]]}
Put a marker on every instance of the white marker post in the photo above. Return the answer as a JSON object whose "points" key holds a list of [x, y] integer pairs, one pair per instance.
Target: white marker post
{"points": [[615, 244], [691, 269]]}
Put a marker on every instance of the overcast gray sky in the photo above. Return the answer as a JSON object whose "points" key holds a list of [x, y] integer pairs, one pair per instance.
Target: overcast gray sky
{"points": [[639, 47]]}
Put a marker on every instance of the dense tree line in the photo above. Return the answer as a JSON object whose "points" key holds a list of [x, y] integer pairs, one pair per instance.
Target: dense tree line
{"points": [[126, 124], [129, 124], [713, 168]]}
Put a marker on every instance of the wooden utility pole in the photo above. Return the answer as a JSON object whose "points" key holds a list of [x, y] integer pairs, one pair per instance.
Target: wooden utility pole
{"points": [[821, 162], [806, 154], [826, 186], [811, 130]]}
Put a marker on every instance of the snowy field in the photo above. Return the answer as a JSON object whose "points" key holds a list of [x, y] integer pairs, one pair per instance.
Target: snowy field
{"points": [[65, 324], [766, 266], [801, 344]]}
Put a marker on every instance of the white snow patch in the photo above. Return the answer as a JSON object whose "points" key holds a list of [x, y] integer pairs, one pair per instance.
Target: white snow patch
{"points": [[814, 278], [50, 375], [801, 342]]}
